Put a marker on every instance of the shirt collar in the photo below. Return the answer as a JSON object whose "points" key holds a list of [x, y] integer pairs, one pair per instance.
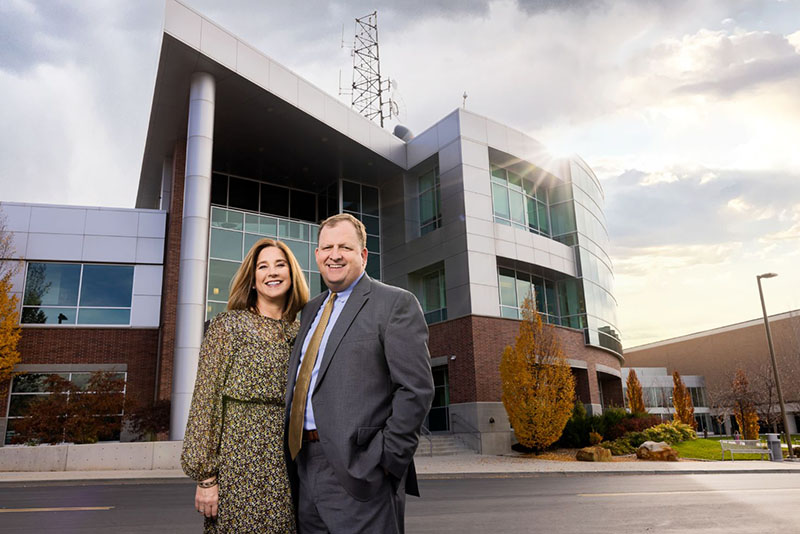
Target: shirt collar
{"points": [[345, 293]]}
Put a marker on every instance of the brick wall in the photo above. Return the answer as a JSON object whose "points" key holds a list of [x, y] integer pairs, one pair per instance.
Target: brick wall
{"points": [[478, 343], [717, 355], [172, 252], [454, 338], [137, 348]]}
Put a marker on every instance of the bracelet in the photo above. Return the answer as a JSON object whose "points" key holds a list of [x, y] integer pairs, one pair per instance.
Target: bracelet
{"points": [[208, 484]]}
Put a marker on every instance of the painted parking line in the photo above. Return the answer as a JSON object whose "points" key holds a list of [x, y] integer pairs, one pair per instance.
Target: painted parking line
{"points": [[62, 509], [688, 492]]}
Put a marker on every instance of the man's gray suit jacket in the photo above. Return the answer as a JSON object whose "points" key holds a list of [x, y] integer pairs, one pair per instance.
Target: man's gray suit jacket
{"points": [[374, 386]]}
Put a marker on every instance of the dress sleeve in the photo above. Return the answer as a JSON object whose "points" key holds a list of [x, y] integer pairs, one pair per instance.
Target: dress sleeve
{"points": [[199, 458]]}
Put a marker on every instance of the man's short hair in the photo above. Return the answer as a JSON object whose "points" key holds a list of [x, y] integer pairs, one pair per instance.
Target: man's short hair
{"points": [[333, 220]]}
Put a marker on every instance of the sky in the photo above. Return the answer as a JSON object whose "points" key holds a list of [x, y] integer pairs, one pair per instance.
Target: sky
{"points": [[687, 110]]}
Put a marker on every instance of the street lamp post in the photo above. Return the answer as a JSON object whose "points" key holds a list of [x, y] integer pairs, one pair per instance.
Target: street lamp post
{"points": [[786, 432]]}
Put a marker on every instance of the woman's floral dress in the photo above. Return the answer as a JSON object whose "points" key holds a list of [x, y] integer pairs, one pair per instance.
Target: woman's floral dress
{"points": [[236, 420]]}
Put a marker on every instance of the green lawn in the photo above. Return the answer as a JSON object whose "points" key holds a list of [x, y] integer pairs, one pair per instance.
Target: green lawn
{"points": [[709, 449]]}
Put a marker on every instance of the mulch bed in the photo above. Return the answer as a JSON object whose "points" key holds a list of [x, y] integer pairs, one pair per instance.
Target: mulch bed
{"points": [[568, 455]]}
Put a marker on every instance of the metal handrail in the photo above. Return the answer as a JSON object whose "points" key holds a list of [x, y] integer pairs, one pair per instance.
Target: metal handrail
{"points": [[464, 422], [425, 433], [471, 429]]}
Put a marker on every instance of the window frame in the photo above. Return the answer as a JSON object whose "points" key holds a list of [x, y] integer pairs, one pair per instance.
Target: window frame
{"points": [[429, 225], [77, 307], [11, 393], [439, 314], [535, 201]]}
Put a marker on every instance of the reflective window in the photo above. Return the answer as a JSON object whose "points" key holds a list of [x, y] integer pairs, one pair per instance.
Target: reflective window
{"points": [[328, 201], [303, 205], [434, 297], [231, 220], [220, 274], [361, 201], [219, 189], [301, 251], [351, 196], [430, 201], [516, 286], [274, 200], [519, 201], [369, 201], [374, 266], [243, 194], [104, 316], [226, 244], [256, 196], [106, 286], [52, 284], [29, 387], [74, 293]]}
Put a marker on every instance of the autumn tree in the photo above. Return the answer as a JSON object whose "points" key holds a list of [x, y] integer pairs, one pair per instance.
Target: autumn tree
{"points": [[634, 392], [682, 401], [73, 414], [744, 403], [538, 386], [9, 320]]}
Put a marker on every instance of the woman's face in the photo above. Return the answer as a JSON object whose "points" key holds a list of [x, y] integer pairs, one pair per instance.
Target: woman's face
{"points": [[273, 278]]}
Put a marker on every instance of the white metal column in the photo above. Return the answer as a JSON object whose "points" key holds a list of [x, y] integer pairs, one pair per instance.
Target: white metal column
{"points": [[190, 313]]}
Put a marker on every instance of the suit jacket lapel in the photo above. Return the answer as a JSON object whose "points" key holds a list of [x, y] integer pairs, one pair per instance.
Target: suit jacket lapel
{"points": [[355, 302]]}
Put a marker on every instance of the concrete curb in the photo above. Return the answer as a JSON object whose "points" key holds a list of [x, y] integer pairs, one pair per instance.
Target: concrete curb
{"points": [[546, 474]]}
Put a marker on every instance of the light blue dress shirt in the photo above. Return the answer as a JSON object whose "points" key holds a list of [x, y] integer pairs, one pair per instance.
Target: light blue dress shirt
{"points": [[338, 306]]}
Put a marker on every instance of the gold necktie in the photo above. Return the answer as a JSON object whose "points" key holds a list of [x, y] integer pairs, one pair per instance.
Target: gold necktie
{"points": [[298, 410]]}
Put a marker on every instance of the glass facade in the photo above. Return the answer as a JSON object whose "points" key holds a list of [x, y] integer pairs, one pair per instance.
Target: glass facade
{"points": [[571, 213], [77, 294], [661, 397], [252, 195], [28, 387], [430, 202], [516, 286], [520, 202], [595, 268]]}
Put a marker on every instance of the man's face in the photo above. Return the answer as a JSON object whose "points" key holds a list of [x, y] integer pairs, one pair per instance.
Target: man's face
{"points": [[340, 258]]}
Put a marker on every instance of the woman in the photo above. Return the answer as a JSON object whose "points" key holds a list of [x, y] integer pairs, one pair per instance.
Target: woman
{"points": [[233, 445]]}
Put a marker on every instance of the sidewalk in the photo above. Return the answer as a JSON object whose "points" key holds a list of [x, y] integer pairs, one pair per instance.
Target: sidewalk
{"points": [[458, 466]]}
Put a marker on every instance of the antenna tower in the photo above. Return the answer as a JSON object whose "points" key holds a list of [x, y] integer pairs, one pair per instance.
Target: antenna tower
{"points": [[368, 88]]}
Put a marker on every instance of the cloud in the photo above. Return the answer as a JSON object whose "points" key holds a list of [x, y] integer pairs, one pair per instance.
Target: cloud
{"points": [[684, 207], [650, 260], [790, 233]]}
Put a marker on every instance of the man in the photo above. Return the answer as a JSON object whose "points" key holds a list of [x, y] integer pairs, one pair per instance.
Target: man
{"points": [[359, 388]]}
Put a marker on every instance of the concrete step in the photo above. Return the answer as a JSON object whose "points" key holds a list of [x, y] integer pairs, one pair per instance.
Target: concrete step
{"points": [[442, 445]]}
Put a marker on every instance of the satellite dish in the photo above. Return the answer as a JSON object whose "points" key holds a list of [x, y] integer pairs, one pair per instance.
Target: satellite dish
{"points": [[403, 133]]}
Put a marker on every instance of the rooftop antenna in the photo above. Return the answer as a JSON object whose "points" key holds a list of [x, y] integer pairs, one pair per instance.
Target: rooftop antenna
{"points": [[369, 92], [342, 90], [464, 96]]}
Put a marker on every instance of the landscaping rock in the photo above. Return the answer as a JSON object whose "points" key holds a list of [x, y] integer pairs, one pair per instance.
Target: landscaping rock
{"points": [[657, 451], [594, 454]]}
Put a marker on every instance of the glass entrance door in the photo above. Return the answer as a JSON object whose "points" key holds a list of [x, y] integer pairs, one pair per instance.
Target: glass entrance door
{"points": [[439, 417]]}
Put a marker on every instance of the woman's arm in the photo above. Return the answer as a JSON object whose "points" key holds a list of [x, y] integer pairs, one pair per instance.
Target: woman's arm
{"points": [[199, 458]]}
